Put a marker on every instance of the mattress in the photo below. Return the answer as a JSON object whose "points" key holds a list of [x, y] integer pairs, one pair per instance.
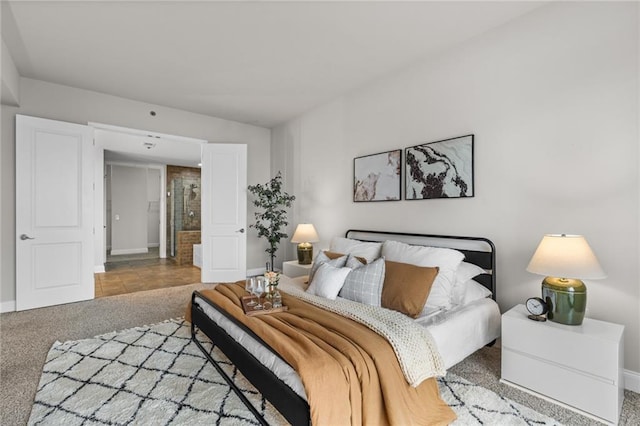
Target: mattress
{"points": [[458, 332]]}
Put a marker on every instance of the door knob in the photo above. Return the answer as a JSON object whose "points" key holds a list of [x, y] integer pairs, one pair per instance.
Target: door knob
{"points": [[26, 237], [241, 230]]}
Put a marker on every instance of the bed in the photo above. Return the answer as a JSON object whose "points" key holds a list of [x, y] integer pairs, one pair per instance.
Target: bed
{"points": [[457, 329]]}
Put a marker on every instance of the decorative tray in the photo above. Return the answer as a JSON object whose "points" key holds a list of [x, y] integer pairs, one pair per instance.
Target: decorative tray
{"points": [[252, 311]]}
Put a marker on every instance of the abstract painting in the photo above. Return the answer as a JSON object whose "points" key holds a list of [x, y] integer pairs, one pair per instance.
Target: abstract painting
{"points": [[376, 177], [442, 169]]}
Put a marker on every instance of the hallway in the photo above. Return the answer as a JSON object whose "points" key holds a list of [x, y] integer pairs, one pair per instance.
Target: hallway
{"points": [[128, 274]]}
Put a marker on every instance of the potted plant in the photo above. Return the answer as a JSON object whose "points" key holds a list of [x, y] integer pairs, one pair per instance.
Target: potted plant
{"points": [[272, 218]]}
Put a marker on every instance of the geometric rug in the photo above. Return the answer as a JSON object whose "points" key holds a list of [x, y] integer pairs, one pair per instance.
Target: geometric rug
{"points": [[155, 375], [475, 405]]}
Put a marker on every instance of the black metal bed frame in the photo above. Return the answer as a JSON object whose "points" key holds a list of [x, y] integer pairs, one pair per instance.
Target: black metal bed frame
{"points": [[477, 250], [294, 408]]}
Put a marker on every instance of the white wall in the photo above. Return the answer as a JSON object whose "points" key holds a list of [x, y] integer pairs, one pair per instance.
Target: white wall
{"points": [[552, 99], [153, 207], [57, 102], [108, 216], [150, 210], [10, 92], [128, 210]]}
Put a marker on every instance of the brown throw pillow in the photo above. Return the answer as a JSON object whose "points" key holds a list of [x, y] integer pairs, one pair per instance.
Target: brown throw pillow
{"points": [[406, 287], [333, 255]]}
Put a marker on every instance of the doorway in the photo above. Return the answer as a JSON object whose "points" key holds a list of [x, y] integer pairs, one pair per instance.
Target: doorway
{"points": [[224, 168], [184, 220], [134, 242], [224, 185], [133, 259]]}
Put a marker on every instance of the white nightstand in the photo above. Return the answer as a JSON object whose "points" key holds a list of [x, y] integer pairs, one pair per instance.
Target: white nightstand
{"points": [[293, 269], [579, 366]]}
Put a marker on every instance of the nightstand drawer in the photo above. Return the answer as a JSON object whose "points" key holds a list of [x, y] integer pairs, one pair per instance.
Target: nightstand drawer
{"points": [[590, 393], [575, 350]]}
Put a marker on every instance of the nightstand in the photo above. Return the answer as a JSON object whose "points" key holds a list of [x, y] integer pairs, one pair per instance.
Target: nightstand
{"points": [[293, 269], [578, 366]]}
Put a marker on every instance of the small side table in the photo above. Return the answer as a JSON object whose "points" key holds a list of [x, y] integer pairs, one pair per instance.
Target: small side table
{"points": [[577, 366], [293, 269]]}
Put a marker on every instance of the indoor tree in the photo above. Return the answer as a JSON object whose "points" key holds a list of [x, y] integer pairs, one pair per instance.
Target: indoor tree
{"points": [[271, 219]]}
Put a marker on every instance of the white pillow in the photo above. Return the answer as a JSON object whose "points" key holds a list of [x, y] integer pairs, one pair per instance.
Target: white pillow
{"points": [[465, 272], [369, 251], [475, 291], [422, 256], [328, 281], [321, 259], [448, 260]]}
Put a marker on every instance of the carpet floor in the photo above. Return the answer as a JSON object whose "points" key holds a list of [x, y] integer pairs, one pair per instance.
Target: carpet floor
{"points": [[26, 338]]}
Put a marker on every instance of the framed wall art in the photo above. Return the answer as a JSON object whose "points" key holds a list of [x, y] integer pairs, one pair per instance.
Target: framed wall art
{"points": [[377, 177], [442, 169]]}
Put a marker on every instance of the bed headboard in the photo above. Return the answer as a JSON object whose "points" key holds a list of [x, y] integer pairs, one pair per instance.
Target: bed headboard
{"points": [[477, 250]]}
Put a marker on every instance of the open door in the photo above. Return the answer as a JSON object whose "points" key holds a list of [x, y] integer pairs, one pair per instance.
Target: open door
{"points": [[224, 212], [54, 212]]}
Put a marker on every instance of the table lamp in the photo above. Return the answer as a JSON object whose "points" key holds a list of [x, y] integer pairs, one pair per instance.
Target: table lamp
{"points": [[305, 235], [565, 260]]}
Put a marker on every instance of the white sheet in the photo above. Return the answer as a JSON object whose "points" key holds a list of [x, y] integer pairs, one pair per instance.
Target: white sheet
{"points": [[458, 333], [461, 331]]}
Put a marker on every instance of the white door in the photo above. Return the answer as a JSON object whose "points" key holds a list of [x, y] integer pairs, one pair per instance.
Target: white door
{"points": [[54, 212], [224, 212]]}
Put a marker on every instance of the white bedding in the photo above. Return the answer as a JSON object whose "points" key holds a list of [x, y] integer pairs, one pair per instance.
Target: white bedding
{"points": [[457, 332], [462, 330]]}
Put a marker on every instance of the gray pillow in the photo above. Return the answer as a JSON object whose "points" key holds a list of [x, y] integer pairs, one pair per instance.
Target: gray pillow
{"points": [[364, 283], [321, 259]]}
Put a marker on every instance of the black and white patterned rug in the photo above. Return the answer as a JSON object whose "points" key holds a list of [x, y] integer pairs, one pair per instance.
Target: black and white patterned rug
{"points": [[155, 375]]}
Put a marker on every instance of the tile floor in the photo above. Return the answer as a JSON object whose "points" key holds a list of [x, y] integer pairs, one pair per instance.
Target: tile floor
{"points": [[128, 276]]}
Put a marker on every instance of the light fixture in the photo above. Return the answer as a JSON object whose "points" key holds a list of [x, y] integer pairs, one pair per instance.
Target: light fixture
{"points": [[305, 235], [565, 260]]}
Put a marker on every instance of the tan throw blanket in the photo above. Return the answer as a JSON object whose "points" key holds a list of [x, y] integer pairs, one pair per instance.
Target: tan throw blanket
{"points": [[350, 373], [413, 344]]}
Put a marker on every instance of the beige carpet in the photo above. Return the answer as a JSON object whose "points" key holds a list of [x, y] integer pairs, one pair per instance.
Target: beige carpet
{"points": [[26, 337]]}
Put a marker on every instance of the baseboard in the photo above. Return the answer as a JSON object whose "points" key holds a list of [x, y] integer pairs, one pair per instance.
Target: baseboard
{"points": [[632, 381], [99, 269], [9, 306], [115, 252], [153, 245]]}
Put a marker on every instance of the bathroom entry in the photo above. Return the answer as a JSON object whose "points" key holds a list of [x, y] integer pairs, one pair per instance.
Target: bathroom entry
{"points": [[183, 213], [132, 198]]}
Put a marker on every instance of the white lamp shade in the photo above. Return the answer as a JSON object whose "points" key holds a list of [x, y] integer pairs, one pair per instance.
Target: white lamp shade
{"points": [[305, 233], [565, 256]]}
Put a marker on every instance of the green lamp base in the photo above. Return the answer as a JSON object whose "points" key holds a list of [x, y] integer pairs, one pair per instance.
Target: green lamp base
{"points": [[305, 253], [566, 299]]}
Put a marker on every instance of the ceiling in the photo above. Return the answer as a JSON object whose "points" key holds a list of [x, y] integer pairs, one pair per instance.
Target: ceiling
{"points": [[258, 62], [133, 146]]}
